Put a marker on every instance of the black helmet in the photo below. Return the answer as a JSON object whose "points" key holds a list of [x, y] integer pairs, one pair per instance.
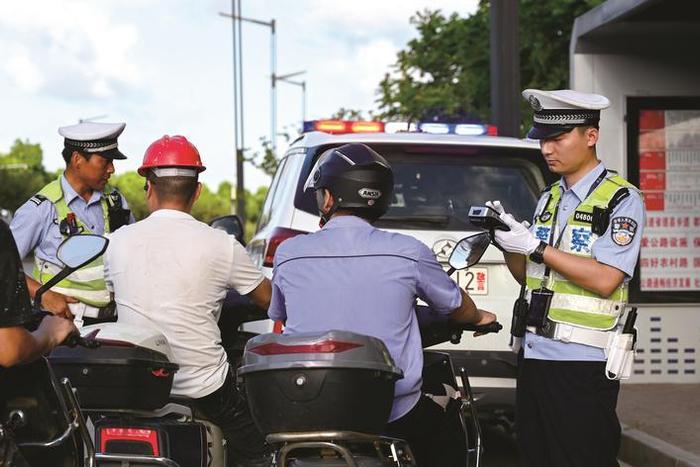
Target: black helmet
{"points": [[357, 176]]}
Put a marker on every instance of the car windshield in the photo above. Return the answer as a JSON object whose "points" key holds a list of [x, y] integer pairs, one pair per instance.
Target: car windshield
{"points": [[434, 190]]}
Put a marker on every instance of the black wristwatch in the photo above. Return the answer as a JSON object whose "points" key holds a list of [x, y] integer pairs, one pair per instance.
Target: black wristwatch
{"points": [[537, 256]]}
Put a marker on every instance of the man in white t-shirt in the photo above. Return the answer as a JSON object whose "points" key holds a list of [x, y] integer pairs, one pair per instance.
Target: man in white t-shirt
{"points": [[171, 272]]}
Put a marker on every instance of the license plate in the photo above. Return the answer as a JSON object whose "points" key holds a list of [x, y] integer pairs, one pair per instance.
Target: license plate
{"points": [[474, 280]]}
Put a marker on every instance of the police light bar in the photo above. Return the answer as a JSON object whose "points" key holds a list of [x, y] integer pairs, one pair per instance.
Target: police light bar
{"points": [[463, 129], [337, 127]]}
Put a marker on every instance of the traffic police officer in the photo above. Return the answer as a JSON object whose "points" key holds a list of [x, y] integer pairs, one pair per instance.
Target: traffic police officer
{"points": [[351, 276], [77, 202], [576, 260]]}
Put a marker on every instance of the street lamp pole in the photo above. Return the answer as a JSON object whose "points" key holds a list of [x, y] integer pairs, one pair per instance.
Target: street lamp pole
{"points": [[272, 24]]}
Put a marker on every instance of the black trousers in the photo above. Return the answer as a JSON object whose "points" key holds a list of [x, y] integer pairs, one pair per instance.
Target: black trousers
{"points": [[227, 408], [435, 435], [565, 414]]}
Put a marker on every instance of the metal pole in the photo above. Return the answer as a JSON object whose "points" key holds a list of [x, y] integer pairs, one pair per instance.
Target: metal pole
{"points": [[240, 187], [273, 82], [235, 95], [505, 67]]}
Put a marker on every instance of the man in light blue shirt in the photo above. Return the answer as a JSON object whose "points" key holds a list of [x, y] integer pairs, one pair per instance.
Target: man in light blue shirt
{"points": [[75, 203], [576, 261], [351, 276]]}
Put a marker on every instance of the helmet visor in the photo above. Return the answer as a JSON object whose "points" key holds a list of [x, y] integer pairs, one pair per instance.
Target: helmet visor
{"points": [[315, 174]]}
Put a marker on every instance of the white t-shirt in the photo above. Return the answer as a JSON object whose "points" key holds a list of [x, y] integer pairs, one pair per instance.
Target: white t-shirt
{"points": [[170, 271]]}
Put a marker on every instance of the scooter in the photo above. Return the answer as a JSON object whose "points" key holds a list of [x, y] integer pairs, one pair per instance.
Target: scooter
{"points": [[323, 399], [38, 409]]}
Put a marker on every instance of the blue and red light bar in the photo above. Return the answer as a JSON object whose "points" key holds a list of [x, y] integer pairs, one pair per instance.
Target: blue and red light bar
{"points": [[339, 127]]}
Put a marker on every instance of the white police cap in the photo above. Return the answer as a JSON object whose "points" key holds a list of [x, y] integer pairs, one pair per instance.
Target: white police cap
{"points": [[560, 111], [94, 137]]}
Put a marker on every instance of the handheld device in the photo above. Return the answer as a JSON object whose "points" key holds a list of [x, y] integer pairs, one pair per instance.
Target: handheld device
{"points": [[486, 218]]}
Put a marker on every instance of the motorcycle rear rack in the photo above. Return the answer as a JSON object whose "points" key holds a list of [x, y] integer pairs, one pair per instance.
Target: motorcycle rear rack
{"points": [[340, 442]]}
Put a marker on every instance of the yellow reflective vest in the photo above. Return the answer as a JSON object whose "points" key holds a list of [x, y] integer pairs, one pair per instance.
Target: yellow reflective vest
{"points": [[572, 304], [87, 284]]}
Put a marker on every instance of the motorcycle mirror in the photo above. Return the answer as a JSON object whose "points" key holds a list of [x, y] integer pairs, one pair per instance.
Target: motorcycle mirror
{"points": [[469, 251], [78, 250], [75, 252], [232, 225]]}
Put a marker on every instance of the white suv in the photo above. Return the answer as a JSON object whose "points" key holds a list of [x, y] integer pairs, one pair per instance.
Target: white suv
{"points": [[437, 178]]}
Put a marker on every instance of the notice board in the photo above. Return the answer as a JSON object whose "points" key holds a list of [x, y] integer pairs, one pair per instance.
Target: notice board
{"points": [[663, 160]]}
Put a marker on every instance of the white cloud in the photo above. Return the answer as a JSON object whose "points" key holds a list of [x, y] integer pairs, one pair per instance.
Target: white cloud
{"points": [[165, 67], [75, 47]]}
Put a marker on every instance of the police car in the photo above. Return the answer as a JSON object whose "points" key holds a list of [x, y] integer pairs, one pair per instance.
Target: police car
{"points": [[439, 171]]}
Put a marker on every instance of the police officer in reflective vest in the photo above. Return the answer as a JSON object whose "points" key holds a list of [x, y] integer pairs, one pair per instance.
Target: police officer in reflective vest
{"points": [[78, 202], [575, 261]]}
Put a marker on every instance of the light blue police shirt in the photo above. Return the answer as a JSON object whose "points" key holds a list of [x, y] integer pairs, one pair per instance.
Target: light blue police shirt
{"points": [[351, 276], [35, 227], [604, 250]]}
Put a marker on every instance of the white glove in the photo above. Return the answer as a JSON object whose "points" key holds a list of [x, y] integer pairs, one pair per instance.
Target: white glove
{"points": [[518, 239], [507, 219]]}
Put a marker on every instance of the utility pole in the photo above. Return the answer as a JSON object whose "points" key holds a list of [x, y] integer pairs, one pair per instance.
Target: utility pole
{"points": [[505, 67], [238, 133]]}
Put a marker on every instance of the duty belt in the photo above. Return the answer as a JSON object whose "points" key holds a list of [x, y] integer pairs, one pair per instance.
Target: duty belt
{"points": [[568, 333]]}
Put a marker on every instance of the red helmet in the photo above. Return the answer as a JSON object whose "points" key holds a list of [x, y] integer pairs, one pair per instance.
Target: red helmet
{"points": [[171, 151]]}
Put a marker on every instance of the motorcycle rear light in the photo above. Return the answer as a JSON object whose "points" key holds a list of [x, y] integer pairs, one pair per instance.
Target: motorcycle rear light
{"points": [[277, 236], [129, 440], [327, 346]]}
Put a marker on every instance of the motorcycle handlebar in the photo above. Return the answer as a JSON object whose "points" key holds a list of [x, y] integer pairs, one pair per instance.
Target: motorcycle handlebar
{"points": [[493, 327]]}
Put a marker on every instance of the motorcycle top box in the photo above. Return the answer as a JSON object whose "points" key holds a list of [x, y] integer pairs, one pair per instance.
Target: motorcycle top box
{"points": [[313, 382], [129, 370]]}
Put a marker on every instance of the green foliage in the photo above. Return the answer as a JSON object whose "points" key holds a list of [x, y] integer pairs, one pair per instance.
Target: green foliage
{"points": [[268, 160], [444, 72], [210, 205], [21, 174], [253, 208], [351, 114]]}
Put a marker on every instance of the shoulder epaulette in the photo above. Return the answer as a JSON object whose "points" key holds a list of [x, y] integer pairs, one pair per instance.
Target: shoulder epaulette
{"points": [[38, 199]]}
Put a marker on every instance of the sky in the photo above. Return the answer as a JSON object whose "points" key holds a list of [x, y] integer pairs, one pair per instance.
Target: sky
{"points": [[165, 67]]}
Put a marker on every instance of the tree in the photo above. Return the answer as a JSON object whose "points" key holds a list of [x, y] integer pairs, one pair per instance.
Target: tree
{"points": [[444, 72], [21, 174]]}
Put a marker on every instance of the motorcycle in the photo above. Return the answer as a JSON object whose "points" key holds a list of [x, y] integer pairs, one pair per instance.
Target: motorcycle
{"points": [[38, 410], [111, 391], [324, 399]]}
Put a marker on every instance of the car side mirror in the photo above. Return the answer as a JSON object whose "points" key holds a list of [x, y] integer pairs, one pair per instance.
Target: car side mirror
{"points": [[230, 224], [469, 251]]}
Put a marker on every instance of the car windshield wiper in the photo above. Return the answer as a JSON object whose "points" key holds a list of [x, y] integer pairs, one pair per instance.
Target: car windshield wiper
{"points": [[429, 219]]}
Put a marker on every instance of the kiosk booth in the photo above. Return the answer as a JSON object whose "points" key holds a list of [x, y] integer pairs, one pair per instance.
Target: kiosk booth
{"points": [[643, 55]]}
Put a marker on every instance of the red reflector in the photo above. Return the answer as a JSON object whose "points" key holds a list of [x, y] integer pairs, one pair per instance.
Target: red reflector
{"points": [[135, 435], [160, 373], [328, 346], [492, 130], [367, 127], [330, 126], [277, 236]]}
